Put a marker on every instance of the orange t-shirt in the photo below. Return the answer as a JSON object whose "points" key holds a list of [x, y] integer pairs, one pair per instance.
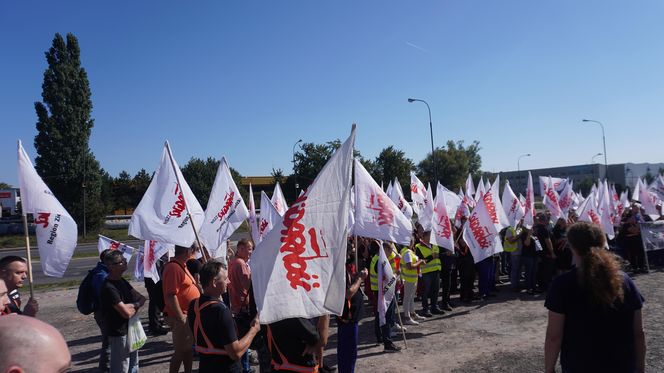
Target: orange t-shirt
{"points": [[180, 283]]}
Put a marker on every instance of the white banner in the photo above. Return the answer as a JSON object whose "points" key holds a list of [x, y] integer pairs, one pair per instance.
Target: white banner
{"points": [[56, 230], [298, 270], [278, 200], [225, 212], [441, 232], [162, 213], [269, 217], [153, 251], [511, 205]]}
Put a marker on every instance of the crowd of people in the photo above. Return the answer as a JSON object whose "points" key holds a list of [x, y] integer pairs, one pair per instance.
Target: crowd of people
{"points": [[211, 314]]}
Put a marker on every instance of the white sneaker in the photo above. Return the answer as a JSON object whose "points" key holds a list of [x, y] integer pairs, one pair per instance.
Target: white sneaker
{"points": [[399, 328], [411, 322], [415, 316]]}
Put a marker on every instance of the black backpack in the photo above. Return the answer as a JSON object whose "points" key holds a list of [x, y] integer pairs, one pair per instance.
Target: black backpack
{"points": [[87, 301]]}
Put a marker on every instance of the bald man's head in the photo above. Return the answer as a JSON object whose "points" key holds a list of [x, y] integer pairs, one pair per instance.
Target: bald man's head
{"points": [[30, 345]]}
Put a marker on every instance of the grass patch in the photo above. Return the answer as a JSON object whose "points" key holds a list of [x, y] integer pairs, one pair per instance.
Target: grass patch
{"points": [[68, 284]]}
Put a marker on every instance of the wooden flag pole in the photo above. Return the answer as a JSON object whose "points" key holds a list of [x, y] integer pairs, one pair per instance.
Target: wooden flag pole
{"points": [[204, 252], [396, 303], [27, 252]]}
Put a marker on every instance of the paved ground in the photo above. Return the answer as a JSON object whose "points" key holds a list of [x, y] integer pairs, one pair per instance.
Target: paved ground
{"points": [[504, 335]]}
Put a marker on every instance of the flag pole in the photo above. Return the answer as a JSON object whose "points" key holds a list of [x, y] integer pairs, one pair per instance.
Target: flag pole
{"points": [[204, 252], [27, 252], [403, 333]]}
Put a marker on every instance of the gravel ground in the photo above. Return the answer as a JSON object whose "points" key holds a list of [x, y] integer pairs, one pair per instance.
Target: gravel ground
{"points": [[505, 334]]}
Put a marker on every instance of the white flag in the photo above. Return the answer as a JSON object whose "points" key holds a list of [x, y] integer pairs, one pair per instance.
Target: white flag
{"points": [[253, 219], [269, 217], [480, 233], [588, 212], [56, 230], [606, 218], [657, 187], [376, 216], [278, 200], [153, 251], [386, 284], [298, 270], [529, 209], [511, 205], [480, 189], [566, 200], [225, 212], [139, 269], [441, 232], [493, 203], [388, 191], [648, 201], [452, 200], [418, 193], [551, 199], [637, 190], [162, 213], [107, 243], [470, 188], [396, 195]]}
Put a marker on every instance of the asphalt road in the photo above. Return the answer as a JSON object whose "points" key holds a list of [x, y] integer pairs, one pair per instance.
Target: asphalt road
{"points": [[79, 267]]}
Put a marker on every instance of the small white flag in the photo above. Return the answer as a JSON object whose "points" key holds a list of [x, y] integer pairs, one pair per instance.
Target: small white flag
{"points": [[56, 230], [480, 233], [269, 217], [153, 251], [511, 205], [386, 284], [396, 195], [376, 216], [278, 200], [225, 212], [441, 232], [253, 219], [529, 209], [551, 199], [107, 243], [139, 269], [162, 213]]}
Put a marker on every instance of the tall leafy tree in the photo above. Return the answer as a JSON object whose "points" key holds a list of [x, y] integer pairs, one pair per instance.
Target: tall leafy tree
{"points": [[311, 158], [200, 175], [64, 124], [392, 163], [453, 162]]}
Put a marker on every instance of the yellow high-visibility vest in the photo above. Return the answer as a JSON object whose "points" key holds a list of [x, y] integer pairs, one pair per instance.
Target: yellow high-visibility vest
{"points": [[408, 275], [431, 265], [509, 247], [373, 275]]}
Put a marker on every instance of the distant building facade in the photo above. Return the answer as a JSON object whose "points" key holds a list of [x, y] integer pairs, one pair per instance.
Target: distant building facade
{"points": [[623, 175]]}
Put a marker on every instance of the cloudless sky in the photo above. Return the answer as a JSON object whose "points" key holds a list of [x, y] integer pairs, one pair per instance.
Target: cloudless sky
{"points": [[247, 79]]}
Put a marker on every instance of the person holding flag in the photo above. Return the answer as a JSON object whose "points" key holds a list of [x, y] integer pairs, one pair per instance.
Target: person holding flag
{"points": [[14, 271], [430, 273], [386, 302]]}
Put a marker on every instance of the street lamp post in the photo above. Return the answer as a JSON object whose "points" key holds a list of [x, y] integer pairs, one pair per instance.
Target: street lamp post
{"points": [[592, 162], [433, 153], [294, 171], [518, 165], [606, 164]]}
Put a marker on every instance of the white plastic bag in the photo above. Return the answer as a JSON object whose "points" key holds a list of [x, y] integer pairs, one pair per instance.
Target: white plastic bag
{"points": [[136, 337]]}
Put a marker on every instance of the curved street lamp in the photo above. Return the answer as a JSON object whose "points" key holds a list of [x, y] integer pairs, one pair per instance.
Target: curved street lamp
{"points": [[595, 156], [518, 164], [606, 164], [433, 153], [294, 171]]}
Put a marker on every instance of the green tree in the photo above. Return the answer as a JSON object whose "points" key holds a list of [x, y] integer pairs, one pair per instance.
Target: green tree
{"points": [[584, 185], [121, 189], [139, 184], [278, 176], [200, 175], [453, 164], [4, 185], [391, 163], [311, 158], [64, 124]]}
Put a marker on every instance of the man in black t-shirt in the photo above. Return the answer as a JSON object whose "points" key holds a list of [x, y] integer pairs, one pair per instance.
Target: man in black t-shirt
{"points": [[293, 343], [119, 302], [547, 266], [212, 324]]}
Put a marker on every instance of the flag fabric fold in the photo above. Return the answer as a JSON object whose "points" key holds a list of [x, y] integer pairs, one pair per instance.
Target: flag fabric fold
{"points": [[396, 195], [154, 250], [253, 219], [441, 227], [278, 200], [107, 243], [55, 229], [511, 206], [269, 217], [529, 208], [480, 233]]}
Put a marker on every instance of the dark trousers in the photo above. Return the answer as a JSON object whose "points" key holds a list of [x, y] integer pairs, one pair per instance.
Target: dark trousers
{"points": [[486, 270], [545, 272], [348, 338], [431, 288], [153, 310], [467, 276], [105, 349], [445, 277], [384, 332]]}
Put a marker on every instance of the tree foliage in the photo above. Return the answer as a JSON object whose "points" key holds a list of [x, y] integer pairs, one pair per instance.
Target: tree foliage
{"points": [[64, 124], [453, 164], [391, 163], [311, 158], [4, 185], [200, 175]]}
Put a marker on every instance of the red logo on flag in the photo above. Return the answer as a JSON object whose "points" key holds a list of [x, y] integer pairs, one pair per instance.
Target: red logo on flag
{"points": [[42, 218]]}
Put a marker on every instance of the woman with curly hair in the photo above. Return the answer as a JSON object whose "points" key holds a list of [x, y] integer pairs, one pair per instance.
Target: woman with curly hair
{"points": [[595, 319]]}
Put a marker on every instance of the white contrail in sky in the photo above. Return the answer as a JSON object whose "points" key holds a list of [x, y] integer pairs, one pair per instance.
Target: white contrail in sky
{"points": [[417, 47]]}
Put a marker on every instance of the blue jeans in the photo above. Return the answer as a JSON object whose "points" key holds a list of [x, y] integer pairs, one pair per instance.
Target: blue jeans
{"points": [[347, 339], [530, 264], [246, 366], [486, 271], [122, 361]]}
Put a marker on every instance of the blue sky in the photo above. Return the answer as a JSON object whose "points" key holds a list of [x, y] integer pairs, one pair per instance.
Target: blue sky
{"points": [[247, 79]]}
